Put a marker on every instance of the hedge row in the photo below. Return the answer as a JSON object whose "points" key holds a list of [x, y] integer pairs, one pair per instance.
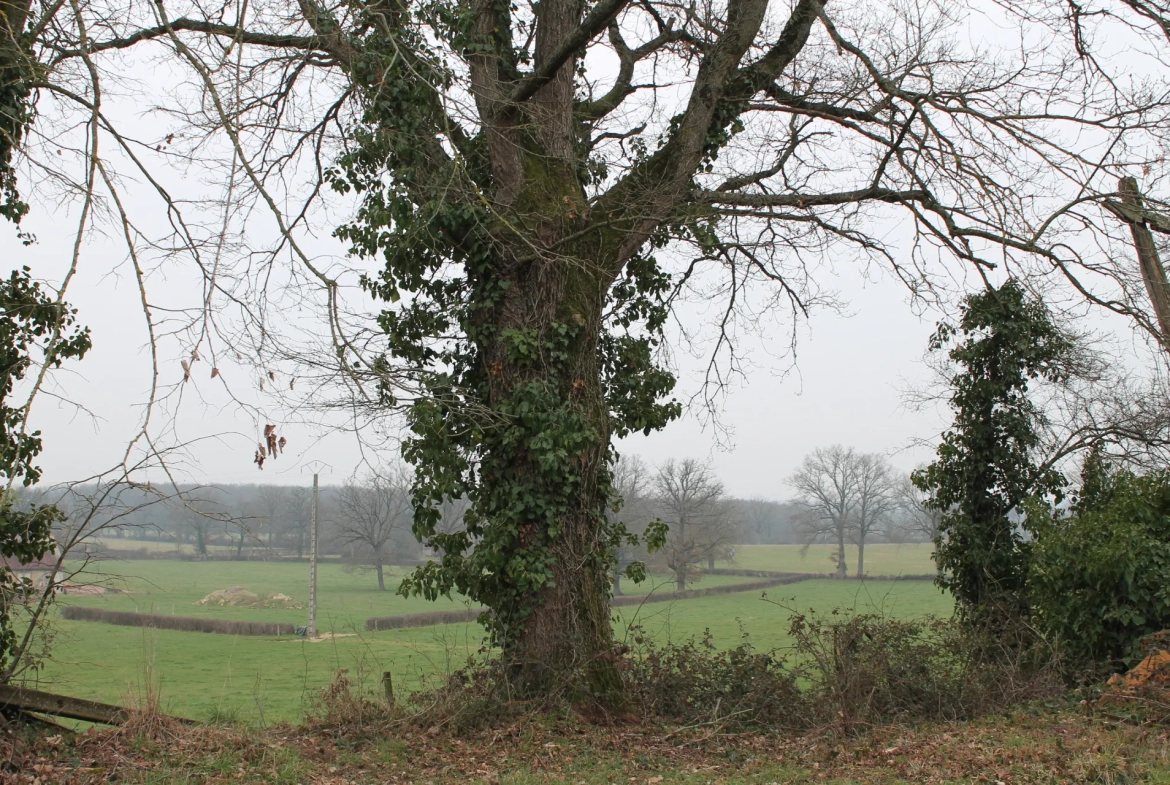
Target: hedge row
{"points": [[184, 623], [769, 574], [471, 614], [761, 573], [428, 619], [778, 579]]}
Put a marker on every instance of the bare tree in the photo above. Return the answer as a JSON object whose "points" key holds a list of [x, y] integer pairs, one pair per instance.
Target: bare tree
{"points": [[690, 500], [270, 508], [371, 512], [199, 527], [633, 483], [875, 501], [766, 521], [826, 487], [917, 519], [300, 511]]}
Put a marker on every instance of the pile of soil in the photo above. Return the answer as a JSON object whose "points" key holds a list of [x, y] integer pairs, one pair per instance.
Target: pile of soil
{"points": [[239, 597], [1153, 672], [1145, 690]]}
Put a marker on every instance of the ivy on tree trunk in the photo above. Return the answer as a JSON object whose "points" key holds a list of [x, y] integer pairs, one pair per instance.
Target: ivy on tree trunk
{"points": [[985, 467]]}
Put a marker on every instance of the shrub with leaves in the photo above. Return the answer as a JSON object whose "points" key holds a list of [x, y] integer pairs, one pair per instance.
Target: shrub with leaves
{"points": [[36, 331], [986, 466], [694, 680], [867, 668], [1100, 578], [844, 671]]}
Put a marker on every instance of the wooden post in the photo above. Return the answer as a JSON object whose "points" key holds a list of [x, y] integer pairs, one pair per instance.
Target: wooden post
{"points": [[388, 687], [311, 632], [63, 706], [1153, 273]]}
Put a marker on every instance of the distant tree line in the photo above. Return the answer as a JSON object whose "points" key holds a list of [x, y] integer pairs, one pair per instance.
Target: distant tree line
{"points": [[368, 519]]}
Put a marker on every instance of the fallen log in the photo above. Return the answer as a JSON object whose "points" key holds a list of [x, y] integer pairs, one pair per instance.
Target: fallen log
{"points": [[25, 699]]}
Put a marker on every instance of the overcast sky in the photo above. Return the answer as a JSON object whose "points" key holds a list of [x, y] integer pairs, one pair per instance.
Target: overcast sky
{"points": [[845, 387]]}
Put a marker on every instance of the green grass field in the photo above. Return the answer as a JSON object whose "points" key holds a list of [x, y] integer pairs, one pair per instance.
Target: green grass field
{"points": [[263, 680], [347, 596], [881, 559]]}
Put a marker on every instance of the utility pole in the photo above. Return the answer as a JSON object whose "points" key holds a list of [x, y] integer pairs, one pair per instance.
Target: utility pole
{"points": [[312, 630]]}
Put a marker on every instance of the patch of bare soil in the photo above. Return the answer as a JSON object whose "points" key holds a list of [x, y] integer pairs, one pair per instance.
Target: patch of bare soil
{"points": [[323, 636]]}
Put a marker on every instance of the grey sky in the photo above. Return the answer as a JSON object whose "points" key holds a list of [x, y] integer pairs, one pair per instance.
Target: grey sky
{"points": [[845, 388]]}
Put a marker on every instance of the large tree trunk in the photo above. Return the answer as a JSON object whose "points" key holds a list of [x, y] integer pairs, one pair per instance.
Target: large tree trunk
{"points": [[381, 576], [557, 636], [566, 644], [539, 265], [861, 556]]}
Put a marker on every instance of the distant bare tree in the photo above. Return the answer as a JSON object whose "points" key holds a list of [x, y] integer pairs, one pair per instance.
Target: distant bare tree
{"points": [[846, 496], [371, 512], [916, 518], [766, 522], [198, 526], [692, 503], [876, 501], [634, 484], [300, 510], [270, 506], [825, 485]]}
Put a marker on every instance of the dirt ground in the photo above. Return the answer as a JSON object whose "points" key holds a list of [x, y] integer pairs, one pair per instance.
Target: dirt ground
{"points": [[1066, 744]]}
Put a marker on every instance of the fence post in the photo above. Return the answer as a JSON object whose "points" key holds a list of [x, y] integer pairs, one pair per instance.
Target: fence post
{"points": [[311, 632]]}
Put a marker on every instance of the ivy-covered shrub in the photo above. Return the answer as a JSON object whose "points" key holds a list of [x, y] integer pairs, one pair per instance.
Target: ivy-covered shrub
{"points": [[1100, 578]]}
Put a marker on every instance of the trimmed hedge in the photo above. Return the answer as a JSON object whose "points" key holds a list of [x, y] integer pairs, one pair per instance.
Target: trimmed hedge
{"points": [[183, 623], [471, 614], [778, 579], [428, 619], [760, 573]]}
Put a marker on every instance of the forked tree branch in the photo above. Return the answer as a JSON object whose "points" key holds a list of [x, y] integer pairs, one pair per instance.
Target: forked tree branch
{"points": [[594, 22]]}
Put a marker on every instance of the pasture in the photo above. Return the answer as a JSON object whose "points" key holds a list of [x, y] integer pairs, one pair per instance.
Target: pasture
{"points": [[262, 680], [881, 559]]}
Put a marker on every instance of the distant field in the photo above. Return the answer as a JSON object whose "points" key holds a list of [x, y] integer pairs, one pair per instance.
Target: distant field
{"points": [[346, 596], [882, 559], [269, 679], [154, 546]]}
